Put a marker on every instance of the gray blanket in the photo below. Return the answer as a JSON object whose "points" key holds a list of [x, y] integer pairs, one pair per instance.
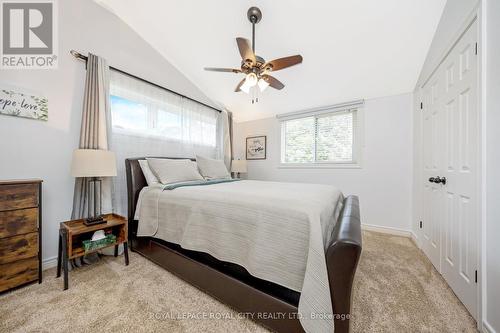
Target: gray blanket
{"points": [[277, 231]]}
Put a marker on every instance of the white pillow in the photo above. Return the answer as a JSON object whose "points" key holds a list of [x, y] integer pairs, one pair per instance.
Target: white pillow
{"points": [[212, 169], [173, 171], [148, 174]]}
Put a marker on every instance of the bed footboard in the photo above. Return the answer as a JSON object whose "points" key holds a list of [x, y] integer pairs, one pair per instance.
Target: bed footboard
{"points": [[342, 256]]}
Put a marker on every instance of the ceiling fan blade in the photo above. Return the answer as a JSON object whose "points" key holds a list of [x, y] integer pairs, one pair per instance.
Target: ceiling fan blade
{"points": [[273, 82], [239, 85], [245, 50], [277, 64], [228, 70]]}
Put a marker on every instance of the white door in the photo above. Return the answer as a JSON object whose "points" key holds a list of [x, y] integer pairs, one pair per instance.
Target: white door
{"points": [[432, 145], [451, 122], [459, 238]]}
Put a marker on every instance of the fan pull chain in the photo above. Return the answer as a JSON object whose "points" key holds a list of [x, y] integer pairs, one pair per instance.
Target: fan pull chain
{"points": [[254, 91]]}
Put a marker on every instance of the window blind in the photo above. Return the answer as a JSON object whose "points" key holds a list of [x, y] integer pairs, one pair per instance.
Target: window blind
{"points": [[322, 138]]}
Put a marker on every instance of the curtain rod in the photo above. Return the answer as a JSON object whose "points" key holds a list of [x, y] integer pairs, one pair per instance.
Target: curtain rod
{"points": [[78, 55]]}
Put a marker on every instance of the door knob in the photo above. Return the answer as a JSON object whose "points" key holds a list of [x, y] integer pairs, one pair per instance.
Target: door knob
{"points": [[438, 180]]}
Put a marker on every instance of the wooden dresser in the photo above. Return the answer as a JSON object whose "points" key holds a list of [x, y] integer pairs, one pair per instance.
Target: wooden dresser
{"points": [[20, 232]]}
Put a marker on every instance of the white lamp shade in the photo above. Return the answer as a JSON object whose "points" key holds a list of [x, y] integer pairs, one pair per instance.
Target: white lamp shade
{"points": [[239, 166], [93, 163], [263, 84], [245, 87]]}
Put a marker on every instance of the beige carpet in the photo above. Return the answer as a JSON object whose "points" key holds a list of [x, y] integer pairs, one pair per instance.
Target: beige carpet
{"points": [[396, 290]]}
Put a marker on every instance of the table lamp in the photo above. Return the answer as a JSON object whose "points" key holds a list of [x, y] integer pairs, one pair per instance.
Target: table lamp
{"points": [[239, 166], [93, 164]]}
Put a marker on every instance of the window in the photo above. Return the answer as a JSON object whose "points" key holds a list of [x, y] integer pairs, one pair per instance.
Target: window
{"points": [[321, 138], [143, 110], [149, 121], [168, 125], [299, 140], [128, 115]]}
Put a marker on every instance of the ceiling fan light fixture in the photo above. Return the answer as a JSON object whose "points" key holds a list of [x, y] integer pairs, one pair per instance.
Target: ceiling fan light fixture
{"points": [[245, 88], [263, 84], [256, 68], [251, 79]]}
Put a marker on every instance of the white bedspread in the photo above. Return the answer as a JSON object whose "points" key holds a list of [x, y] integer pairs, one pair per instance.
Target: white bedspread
{"points": [[277, 231]]}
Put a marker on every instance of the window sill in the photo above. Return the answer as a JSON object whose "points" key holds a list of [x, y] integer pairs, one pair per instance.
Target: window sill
{"points": [[320, 166]]}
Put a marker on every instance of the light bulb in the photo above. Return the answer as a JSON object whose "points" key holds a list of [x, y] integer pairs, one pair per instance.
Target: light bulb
{"points": [[251, 79], [263, 84]]}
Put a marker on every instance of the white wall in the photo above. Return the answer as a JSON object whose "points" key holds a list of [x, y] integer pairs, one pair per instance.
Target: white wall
{"points": [[491, 65], [30, 148], [384, 181]]}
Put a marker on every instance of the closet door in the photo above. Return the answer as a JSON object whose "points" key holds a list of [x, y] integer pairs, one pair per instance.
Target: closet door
{"points": [[460, 224], [432, 152], [451, 162]]}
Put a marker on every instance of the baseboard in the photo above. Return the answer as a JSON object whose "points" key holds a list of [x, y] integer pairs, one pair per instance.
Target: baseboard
{"points": [[487, 328], [386, 230], [49, 263], [414, 238]]}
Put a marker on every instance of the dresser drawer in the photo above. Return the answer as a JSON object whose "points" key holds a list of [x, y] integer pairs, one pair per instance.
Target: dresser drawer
{"points": [[18, 247], [18, 196], [18, 273], [17, 222]]}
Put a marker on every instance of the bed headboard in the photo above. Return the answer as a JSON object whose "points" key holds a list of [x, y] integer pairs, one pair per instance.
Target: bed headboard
{"points": [[135, 183]]}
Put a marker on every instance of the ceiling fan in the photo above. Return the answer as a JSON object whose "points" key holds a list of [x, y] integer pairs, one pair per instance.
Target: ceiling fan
{"points": [[255, 67]]}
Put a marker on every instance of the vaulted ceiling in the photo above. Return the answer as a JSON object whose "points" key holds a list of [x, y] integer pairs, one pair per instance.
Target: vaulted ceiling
{"points": [[352, 49]]}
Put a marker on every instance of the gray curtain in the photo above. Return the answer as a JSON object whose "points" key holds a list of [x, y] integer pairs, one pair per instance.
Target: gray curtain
{"points": [[230, 122], [94, 130], [225, 128]]}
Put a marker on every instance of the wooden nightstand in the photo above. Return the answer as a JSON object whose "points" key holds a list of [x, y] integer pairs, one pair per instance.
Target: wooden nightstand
{"points": [[73, 233]]}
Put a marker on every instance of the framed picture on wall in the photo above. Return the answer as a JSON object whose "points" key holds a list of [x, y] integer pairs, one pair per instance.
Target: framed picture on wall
{"points": [[256, 148], [14, 103]]}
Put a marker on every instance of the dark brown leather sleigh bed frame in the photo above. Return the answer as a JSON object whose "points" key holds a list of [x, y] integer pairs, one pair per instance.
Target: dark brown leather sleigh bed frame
{"points": [[231, 283]]}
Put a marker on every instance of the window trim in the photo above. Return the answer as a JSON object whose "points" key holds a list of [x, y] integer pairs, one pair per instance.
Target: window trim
{"points": [[358, 137]]}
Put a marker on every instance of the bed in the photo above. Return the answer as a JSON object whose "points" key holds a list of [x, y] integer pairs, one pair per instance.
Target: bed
{"points": [[272, 302]]}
